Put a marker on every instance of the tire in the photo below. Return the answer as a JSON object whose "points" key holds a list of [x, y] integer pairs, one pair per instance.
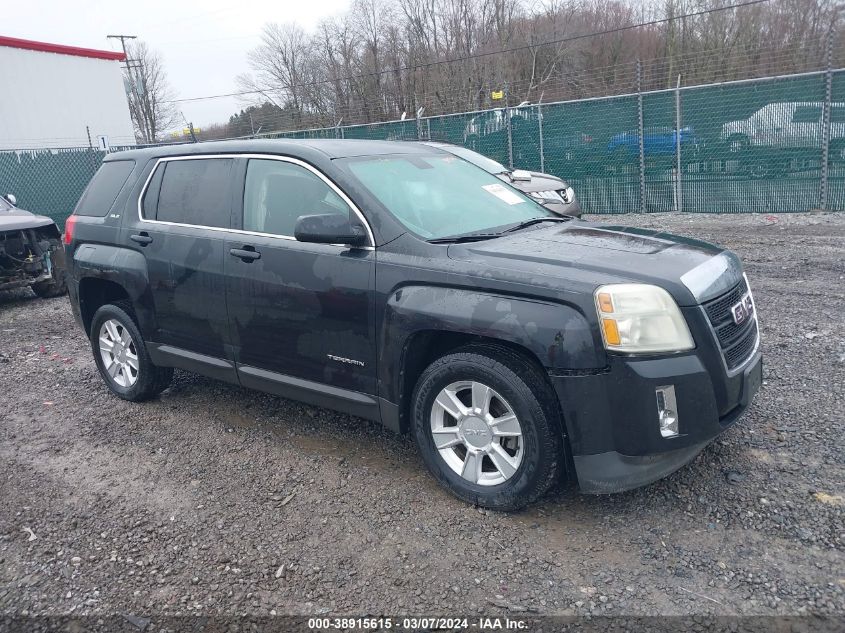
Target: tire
{"points": [[535, 457], [135, 384]]}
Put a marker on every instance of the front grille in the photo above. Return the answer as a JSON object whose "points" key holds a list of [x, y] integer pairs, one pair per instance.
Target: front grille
{"points": [[737, 342], [719, 309], [741, 350]]}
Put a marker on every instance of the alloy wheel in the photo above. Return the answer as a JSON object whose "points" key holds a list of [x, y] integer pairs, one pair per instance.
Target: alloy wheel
{"points": [[118, 352], [477, 433]]}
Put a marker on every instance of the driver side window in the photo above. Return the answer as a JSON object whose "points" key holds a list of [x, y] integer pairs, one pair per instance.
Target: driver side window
{"points": [[277, 193]]}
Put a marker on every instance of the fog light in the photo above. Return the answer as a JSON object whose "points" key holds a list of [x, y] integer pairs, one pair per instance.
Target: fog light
{"points": [[667, 411]]}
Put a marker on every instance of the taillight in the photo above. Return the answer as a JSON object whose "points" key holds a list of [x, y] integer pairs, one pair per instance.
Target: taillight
{"points": [[69, 225]]}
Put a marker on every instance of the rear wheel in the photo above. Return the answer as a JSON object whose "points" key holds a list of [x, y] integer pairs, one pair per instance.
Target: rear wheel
{"points": [[487, 427], [121, 355]]}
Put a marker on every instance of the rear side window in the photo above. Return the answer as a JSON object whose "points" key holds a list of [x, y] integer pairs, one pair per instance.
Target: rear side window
{"points": [[195, 191], [102, 191]]}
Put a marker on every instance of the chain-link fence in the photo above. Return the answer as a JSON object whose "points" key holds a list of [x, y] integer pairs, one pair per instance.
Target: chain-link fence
{"points": [[49, 181], [765, 145]]}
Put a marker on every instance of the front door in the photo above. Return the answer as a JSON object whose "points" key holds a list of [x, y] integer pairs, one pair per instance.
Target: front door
{"points": [[301, 314]]}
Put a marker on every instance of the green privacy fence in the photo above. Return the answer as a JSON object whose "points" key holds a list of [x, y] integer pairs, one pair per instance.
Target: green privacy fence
{"points": [[49, 181], [754, 146], [766, 145]]}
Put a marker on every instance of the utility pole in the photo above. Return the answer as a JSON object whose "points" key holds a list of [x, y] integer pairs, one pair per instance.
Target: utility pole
{"points": [[190, 125], [509, 124], [130, 64]]}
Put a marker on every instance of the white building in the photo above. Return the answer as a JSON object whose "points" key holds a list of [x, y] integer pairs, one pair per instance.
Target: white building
{"points": [[54, 96]]}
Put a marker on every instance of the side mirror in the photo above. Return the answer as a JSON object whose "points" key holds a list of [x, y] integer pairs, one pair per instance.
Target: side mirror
{"points": [[520, 174], [329, 228], [11, 198]]}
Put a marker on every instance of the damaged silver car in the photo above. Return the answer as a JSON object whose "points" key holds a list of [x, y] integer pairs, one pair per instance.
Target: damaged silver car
{"points": [[31, 251]]}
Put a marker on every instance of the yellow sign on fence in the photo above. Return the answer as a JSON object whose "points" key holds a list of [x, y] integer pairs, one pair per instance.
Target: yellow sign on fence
{"points": [[497, 94]]}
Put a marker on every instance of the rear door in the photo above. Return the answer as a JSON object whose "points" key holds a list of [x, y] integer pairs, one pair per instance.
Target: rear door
{"points": [[299, 312], [184, 213]]}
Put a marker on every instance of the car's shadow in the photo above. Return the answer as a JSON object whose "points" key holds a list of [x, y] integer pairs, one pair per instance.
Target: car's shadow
{"points": [[329, 434], [16, 297]]}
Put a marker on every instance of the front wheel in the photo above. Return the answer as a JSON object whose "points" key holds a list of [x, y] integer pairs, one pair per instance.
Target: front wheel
{"points": [[122, 357], [738, 144], [487, 427]]}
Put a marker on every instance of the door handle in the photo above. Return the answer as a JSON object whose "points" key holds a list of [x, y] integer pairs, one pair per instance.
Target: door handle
{"points": [[143, 239], [246, 254]]}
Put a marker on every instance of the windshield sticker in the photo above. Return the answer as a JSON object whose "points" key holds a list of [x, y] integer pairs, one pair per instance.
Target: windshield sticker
{"points": [[503, 193]]}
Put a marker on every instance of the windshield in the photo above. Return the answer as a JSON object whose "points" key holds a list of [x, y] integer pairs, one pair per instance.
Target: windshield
{"points": [[5, 206], [487, 164], [439, 195]]}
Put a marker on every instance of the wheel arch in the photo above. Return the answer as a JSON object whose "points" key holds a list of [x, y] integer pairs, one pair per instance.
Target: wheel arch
{"points": [[553, 335], [95, 292], [741, 137], [423, 347], [99, 273]]}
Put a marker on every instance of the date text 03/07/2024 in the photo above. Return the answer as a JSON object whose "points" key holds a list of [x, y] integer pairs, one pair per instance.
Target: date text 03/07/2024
{"points": [[415, 623]]}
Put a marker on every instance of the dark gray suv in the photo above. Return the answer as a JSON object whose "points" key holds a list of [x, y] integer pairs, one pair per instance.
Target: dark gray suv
{"points": [[393, 282]]}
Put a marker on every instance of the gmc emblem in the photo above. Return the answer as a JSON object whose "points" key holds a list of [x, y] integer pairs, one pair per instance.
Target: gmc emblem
{"points": [[743, 310]]}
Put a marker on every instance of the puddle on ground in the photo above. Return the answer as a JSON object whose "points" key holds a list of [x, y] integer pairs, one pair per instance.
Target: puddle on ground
{"points": [[360, 453], [371, 451], [238, 420], [325, 446]]}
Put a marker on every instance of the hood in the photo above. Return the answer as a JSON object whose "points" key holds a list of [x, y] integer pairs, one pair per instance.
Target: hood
{"points": [[538, 182], [587, 255], [733, 127], [18, 219]]}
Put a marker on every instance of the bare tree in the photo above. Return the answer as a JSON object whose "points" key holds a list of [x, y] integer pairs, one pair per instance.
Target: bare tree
{"points": [[149, 93], [384, 58]]}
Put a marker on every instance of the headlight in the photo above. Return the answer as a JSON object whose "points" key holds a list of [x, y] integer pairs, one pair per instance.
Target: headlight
{"points": [[546, 196], [641, 318], [560, 195]]}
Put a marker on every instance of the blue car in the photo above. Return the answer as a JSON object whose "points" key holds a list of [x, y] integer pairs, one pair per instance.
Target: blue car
{"points": [[657, 141]]}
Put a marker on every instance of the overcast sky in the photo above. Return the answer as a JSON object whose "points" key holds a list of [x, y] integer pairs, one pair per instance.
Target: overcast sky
{"points": [[203, 42]]}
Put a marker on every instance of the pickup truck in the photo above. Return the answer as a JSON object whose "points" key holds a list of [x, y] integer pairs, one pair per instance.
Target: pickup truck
{"points": [[399, 283]]}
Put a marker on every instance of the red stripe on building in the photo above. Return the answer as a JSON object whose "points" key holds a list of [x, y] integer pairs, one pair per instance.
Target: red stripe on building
{"points": [[44, 47]]}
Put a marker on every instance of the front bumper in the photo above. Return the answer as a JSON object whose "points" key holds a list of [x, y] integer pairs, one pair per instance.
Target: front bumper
{"points": [[572, 209], [612, 419]]}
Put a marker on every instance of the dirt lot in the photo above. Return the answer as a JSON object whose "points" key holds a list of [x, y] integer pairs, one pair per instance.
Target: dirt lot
{"points": [[219, 500]]}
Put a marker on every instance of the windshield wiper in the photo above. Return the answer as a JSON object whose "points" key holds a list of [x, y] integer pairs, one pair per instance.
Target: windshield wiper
{"points": [[534, 221], [477, 237], [458, 239]]}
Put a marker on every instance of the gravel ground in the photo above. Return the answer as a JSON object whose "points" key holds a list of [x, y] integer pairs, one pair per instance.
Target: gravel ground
{"points": [[220, 500]]}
